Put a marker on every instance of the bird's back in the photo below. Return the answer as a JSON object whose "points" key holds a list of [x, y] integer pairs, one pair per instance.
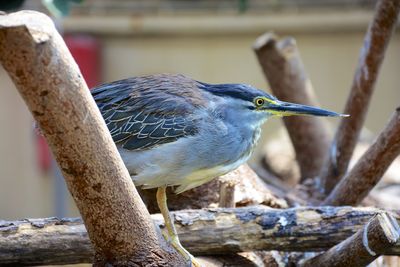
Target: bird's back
{"points": [[144, 112]]}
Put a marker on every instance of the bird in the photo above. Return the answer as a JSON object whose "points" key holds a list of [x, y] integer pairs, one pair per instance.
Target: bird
{"points": [[174, 131]]}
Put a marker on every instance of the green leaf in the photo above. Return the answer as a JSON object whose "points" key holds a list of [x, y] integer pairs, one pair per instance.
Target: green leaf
{"points": [[59, 8]]}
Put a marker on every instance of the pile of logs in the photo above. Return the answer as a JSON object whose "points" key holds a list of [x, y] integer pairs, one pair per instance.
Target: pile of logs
{"points": [[303, 213]]}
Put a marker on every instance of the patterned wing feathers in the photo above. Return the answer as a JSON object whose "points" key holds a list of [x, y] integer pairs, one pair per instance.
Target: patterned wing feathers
{"points": [[148, 111]]}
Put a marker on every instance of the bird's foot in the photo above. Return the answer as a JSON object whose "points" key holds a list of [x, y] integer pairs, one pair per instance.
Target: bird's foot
{"points": [[181, 250], [194, 262]]}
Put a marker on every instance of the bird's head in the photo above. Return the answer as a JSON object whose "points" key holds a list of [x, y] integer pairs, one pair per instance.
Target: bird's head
{"points": [[259, 104]]}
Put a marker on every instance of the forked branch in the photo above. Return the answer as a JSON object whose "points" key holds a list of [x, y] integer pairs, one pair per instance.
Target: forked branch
{"points": [[374, 239], [371, 56], [356, 184]]}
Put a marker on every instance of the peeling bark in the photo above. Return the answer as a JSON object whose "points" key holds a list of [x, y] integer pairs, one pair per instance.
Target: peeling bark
{"points": [[202, 232]]}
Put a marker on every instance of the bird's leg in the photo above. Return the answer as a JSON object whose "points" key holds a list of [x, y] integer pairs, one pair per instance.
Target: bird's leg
{"points": [[169, 224]]}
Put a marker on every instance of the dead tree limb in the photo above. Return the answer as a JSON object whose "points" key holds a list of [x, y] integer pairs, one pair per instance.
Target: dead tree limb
{"points": [[284, 70], [356, 184], [203, 232], [371, 56], [48, 79], [374, 239]]}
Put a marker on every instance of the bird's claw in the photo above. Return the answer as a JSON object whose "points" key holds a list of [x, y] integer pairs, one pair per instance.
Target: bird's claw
{"points": [[193, 262]]}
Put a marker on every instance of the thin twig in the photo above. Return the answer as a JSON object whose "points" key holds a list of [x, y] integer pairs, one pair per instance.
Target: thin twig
{"points": [[284, 70], [379, 234], [371, 56], [356, 184]]}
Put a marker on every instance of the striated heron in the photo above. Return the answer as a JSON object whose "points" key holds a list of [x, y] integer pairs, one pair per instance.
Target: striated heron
{"points": [[172, 130]]}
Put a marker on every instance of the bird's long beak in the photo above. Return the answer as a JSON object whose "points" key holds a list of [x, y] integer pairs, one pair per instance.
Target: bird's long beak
{"points": [[281, 108]]}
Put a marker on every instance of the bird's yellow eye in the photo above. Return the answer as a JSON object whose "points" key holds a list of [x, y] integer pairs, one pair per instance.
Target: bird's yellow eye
{"points": [[259, 101]]}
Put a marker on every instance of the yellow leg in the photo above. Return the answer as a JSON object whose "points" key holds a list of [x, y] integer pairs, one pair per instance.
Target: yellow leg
{"points": [[169, 224]]}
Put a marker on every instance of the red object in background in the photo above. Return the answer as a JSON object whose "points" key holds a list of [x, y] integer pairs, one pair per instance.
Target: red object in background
{"points": [[86, 52], [43, 153]]}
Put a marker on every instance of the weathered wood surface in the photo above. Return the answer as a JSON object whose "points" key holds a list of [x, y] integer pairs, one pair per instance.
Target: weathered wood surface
{"points": [[48, 79], [379, 235], [284, 70], [203, 232], [371, 57]]}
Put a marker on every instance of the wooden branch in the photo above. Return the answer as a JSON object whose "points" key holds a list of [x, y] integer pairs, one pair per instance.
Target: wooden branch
{"points": [[371, 56], [379, 235], [284, 70], [227, 194], [47, 77], [209, 231], [279, 187], [355, 186]]}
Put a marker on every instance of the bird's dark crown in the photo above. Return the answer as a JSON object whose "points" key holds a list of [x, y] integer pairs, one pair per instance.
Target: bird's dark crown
{"points": [[234, 90]]}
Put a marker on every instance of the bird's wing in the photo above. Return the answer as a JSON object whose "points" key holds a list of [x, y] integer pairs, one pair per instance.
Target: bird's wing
{"points": [[141, 118], [136, 129]]}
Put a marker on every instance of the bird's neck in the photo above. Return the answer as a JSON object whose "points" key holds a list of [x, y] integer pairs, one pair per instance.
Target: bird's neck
{"points": [[248, 128], [254, 133]]}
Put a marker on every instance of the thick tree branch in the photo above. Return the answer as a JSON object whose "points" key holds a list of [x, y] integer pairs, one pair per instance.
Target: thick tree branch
{"points": [[371, 56], [374, 239], [212, 231], [284, 70], [48, 79], [356, 184]]}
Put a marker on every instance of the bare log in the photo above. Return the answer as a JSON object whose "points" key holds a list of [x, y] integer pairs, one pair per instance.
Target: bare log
{"points": [[48, 79], [284, 70], [373, 240], [355, 186], [203, 232], [371, 56]]}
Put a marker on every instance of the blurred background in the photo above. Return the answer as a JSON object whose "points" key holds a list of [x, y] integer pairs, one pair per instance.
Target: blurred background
{"points": [[208, 40]]}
